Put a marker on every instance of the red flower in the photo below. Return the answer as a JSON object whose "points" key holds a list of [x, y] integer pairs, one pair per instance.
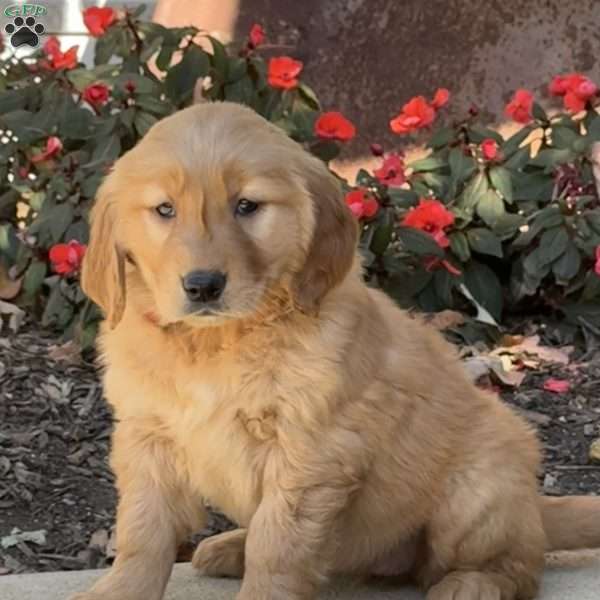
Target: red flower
{"points": [[489, 149], [98, 20], [334, 126], [256, 36], [283, 72], [432, 217], [519, 108], [597, 265], [66, 258], [361, 203], [416, 114], [96, 94], [56, 59], [576, 90], [391, 171], [130, 87], [433, 262], [53, 147], [442, 95]]}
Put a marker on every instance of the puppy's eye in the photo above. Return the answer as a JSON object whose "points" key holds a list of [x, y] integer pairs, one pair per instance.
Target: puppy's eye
{"points": [[165, 210], [245, 207]]}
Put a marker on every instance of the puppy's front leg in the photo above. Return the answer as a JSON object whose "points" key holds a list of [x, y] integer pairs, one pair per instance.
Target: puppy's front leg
{"points": [[290, 545], [153, 515]]}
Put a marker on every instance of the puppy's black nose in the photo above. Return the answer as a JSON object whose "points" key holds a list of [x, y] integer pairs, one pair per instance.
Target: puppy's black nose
{"points": [[204, 286]]}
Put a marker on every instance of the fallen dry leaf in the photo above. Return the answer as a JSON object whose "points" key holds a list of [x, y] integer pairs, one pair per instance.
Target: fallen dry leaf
{"points": [[529, 351], [9, 288], [69, 352], [558, 386], [478, 366]]}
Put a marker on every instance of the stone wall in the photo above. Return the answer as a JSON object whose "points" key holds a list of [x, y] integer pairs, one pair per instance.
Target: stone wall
{"points": [[367, 57]]}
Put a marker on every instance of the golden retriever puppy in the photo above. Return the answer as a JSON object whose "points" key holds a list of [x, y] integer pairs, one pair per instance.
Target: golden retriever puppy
{"points": [[248, 365]]}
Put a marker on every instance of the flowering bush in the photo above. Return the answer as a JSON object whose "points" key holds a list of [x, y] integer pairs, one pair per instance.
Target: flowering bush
{"points": [[499, 223], [480, 220]]}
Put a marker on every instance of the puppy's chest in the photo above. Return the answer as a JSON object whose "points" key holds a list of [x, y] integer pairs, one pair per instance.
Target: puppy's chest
{"points": [[226, 430]]}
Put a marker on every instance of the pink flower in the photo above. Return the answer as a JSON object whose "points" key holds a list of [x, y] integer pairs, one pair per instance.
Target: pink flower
{"points": [[519, 108], [66, 258], [334, 126], [558, 386], [256, 37], [441, 97], [489, 149], [391, 171], [283, 72], [432, 217], [416, 114], [361, 203], [96, 94], [576, 89], [98, 20], [53, 147]]}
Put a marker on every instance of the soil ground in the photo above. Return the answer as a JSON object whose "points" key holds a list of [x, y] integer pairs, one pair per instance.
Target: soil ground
{"points": [[55, 436]]}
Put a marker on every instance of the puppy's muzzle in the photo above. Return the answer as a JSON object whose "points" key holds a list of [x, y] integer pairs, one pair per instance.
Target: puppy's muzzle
{"points": [[203, 287]]}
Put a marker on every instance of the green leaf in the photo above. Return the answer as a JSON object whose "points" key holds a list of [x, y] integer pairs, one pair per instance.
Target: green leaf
{"points": [[539, 113], [181, 79], [107, 150], [563, 137], [34, 278], [502, 182], [490, 207], [51, 224], [485, 242], [442, 137], [551, 157], [325, 150], [518, 159], [151, 49], [309, 97], [532, 186], [106, 46], [143, 121], [460, 246], [154, 105], [403, 198], [461, 166], [568, 265], [418, 242], [553, 244], [508, 224], [242, 91], [477, 134], [475, 190], [381, 238], [485, 287], [220, 61], [431, 163]]}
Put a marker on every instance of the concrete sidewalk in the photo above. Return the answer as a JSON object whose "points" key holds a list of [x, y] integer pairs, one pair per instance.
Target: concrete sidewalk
{"points": [[569, 576]]}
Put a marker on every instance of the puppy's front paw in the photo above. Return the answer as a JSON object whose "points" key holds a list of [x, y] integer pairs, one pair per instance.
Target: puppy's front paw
{"points": [[221, 555], [466, 586]]}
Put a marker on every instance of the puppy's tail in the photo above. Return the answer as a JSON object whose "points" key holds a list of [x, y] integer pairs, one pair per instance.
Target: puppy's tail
{"points": [[571, 522]]}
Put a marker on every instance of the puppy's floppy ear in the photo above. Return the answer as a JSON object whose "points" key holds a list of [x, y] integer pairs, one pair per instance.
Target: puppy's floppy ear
{"points": [[103, 271], [334, 239]]}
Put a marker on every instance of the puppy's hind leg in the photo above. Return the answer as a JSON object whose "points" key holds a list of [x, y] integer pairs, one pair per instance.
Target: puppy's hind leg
{"points": [[485, 549]]}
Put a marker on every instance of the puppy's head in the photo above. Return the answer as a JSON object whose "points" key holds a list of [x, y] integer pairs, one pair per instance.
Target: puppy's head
{"points": [[213, 210]]}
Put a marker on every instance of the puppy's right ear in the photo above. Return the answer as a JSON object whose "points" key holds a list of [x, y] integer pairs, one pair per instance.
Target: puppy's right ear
{"points": [[103, 270]]}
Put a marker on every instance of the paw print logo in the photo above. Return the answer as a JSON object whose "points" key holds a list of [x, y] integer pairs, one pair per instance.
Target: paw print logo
{"points": [[24, 32]]}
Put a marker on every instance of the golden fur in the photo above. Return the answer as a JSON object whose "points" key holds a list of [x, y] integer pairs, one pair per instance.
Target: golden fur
{"points": [[339, 433]]}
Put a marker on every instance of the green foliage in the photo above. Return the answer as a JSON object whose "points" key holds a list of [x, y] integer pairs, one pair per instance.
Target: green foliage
{"points": [[525, 222]]}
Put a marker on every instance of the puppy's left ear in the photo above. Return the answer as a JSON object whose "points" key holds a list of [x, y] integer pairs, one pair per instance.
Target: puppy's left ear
{"points": [[333, 246]]}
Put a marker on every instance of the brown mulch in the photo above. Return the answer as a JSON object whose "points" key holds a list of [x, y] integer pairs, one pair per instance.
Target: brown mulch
{"points": [[56, 487]]}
